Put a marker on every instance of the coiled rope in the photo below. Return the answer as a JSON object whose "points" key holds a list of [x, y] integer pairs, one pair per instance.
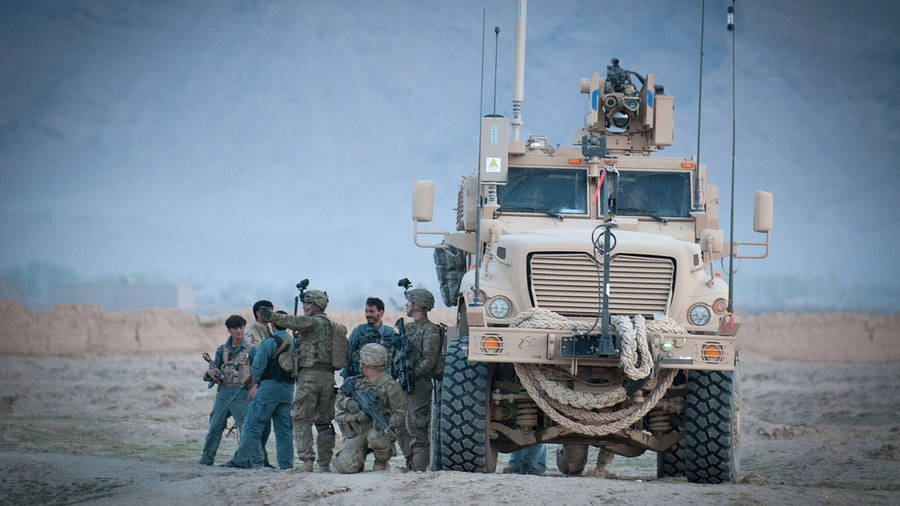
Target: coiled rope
{"points": [[589, 413]]}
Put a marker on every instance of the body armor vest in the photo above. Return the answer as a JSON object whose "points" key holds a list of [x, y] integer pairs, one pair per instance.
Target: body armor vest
{"points": [[274, 370], [235, 368]]}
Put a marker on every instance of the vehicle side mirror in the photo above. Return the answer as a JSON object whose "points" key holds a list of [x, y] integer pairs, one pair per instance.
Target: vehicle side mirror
{"points": [[423, 201], [711, 240], [762, 211]]}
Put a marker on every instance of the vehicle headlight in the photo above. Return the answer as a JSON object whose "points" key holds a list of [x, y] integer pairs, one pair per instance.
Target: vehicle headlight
{"points": [[699, 315], [499, 307]]}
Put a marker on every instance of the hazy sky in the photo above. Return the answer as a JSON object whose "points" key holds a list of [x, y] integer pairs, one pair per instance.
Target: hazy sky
{"points": [[243, 145]]}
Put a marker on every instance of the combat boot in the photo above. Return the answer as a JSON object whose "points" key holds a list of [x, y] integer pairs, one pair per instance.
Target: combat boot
{"points": [[323, 468], [420, 460], [305, 466], [381, 465]]}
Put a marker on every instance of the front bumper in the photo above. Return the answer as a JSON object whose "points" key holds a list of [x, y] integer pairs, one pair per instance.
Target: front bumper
{"points": [[544, 346]]}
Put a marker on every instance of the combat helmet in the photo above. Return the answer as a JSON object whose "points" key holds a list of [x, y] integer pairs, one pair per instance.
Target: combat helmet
{"points": [[374, 354], [317, 297], [421, 297]]}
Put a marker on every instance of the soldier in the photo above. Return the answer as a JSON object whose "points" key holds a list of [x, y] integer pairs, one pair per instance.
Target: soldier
{"points": [[574, 457], [314, 395], [373, 331], [425, 349], [270, 399], [357, 427], [233, 359]]}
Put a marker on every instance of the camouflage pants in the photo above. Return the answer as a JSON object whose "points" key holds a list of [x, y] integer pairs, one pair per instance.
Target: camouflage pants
{"points": [[352, 456], [314, 405], [414, 434]]}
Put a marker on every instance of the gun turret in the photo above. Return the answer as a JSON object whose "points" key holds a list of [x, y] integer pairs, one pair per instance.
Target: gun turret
{"points": [[628, 118]]}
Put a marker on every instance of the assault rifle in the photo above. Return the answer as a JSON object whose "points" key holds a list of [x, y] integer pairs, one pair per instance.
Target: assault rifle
{"points": [[246, 384], [213, 366], [403, 368], [368, 404]]}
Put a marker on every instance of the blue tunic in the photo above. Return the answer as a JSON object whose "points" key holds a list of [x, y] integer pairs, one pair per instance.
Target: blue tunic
{"points": [[272, 402], [230, 401]]}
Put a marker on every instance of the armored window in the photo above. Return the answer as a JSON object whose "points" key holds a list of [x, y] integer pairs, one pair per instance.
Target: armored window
{"points": [[536, 190], [643, 193]]}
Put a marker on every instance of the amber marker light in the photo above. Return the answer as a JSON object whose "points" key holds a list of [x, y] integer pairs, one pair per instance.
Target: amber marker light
{"points": [[720, 305], [491, 344], [574, 161], [687, 165], [712, 352]]}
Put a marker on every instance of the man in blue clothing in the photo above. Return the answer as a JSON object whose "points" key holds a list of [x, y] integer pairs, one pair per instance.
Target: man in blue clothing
{"points": [[233, 360], [528, 460], [373, 331], [271, 397]]}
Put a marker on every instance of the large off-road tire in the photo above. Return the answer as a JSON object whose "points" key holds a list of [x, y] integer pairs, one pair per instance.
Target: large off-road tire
{"points": [[712, 426], [571, 459], [462, 431], [671, 462]]}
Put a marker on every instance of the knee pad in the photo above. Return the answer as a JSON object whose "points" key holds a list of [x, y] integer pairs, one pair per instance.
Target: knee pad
{"points": [[324, 427]]}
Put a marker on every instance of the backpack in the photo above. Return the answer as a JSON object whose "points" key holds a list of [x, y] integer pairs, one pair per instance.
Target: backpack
{"points": [[340, 349]]}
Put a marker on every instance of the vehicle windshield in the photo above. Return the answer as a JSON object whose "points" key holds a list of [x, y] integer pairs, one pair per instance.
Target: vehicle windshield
{"points": [[547, 191], [654, 194]]}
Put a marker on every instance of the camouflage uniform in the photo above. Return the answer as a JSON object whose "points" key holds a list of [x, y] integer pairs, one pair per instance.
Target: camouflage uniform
{"points": [[425, 350], [357, 428], [361, 336], [315, 392]]}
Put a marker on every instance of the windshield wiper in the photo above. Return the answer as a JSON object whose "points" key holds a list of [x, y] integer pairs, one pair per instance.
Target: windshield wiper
{"points": [[549, 212], [644, 213]]}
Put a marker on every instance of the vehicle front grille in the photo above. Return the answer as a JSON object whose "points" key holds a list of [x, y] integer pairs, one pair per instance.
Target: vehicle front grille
{"points": [[567, 284]]}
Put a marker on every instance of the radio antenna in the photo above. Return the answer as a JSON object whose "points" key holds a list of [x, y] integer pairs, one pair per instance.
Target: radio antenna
{"points": [[518, 76], [731, 229], [697, 185], [476, 300], [496, 43]]}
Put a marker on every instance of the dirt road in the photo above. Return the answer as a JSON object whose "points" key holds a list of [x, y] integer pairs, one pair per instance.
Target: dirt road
{"points": [[128, 429]]}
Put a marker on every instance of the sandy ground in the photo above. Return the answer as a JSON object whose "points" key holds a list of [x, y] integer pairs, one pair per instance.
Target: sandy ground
{"points": [[111, 427]]}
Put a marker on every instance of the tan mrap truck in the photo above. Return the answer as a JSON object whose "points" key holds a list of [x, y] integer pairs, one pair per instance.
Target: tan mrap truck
{"points": [[589, 308]]}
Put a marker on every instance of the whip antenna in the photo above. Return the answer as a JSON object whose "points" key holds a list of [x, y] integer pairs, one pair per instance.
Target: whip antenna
{"points": [[476, 301], [731, 231], [697, 188], [496, 41]]}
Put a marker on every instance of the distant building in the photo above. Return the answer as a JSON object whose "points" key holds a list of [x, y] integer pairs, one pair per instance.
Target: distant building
{"points": [[124, 295]]}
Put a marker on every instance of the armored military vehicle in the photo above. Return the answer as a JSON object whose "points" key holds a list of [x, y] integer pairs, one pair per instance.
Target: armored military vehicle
{"points": [[590, 311]]}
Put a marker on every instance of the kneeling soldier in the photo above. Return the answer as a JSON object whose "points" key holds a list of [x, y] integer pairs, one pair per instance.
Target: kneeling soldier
{"points": [[369, 408]]}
